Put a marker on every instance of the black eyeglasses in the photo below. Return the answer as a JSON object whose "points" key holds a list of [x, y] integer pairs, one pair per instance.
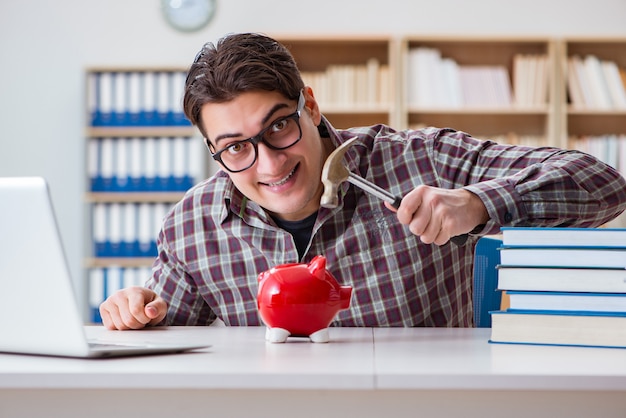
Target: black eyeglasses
{"points": [[283, 133]]}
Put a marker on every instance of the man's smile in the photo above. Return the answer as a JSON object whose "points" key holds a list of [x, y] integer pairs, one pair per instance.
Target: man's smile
{"points": [[284, 179]]}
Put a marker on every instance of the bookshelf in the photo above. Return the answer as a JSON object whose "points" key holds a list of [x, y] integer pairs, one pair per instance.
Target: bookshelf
{"points": [[335, 66], [499, 88], [593, 99], [142, 154]]}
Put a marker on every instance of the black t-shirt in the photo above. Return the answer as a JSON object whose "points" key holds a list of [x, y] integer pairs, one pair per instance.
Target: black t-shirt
{"points": [[300, 230]]}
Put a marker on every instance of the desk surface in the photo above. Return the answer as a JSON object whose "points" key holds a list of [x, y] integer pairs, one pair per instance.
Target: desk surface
{"points": [[355, 359]]}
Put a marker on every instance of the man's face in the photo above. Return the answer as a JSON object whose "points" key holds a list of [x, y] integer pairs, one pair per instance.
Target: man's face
{"points": [[285, 182]]}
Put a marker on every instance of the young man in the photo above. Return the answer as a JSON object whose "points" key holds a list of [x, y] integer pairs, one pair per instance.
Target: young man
{"points": [[264, 127]]}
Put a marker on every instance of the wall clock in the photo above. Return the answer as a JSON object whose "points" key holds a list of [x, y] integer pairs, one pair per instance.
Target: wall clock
{"points": [[188, 15]]}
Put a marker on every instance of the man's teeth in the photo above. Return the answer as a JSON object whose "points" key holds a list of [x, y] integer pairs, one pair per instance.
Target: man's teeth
{"points": [[283, 181]]}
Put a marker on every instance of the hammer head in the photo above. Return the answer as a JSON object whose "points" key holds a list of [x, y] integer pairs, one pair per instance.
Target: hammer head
{"points": [[334, 173]]}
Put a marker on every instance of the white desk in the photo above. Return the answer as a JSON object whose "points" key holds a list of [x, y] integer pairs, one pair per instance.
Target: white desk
{"points": [[361, 372]]}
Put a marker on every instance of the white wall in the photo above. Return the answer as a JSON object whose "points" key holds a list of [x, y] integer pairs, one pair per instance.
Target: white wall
{"points": [[45, 46]]}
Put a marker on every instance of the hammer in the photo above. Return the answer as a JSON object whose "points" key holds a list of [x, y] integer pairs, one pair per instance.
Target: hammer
{"points": [[334, 173]]}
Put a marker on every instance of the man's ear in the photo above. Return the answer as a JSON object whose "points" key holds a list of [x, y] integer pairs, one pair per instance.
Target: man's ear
{"points": [[209, 145], [310, 103]]}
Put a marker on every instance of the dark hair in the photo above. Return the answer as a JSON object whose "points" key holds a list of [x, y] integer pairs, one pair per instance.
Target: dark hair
{"points": [[239, 63]]}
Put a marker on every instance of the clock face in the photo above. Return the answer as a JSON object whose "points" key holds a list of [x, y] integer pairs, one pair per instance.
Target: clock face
{"points": [[188, 15]]}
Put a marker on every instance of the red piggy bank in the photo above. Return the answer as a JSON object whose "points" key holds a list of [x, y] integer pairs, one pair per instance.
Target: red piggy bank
{"points": [[300, 300]]}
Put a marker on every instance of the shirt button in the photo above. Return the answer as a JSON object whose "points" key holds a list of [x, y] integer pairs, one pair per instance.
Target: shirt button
{"points": [[508, 217]]}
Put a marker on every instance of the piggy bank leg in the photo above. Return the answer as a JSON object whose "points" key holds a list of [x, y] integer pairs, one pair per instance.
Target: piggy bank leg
{"points": [[276, 335], [320, 336]]}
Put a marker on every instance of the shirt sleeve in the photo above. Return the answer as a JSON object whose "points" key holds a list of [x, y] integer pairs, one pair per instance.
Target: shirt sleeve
{"points": [[524, 186]]}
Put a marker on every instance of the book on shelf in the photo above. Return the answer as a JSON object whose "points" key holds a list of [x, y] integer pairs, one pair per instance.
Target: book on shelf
{"points": [[365, 85], [126, 229], [136, 98], [561, 279], [152, 164], [566, 256], [578, 328], [436, 81], [564, 237], [595, 84], [530, 79], [567, 301]]}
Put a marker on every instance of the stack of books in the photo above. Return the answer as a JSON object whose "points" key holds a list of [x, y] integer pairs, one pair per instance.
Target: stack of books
{"points": [[567, 286]]}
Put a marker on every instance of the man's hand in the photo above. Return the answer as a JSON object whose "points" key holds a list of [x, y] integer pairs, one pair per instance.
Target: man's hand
{"points": [[132, 308], [436, 215]]}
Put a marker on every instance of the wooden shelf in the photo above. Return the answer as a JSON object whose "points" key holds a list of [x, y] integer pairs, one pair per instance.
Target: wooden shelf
{"points": [[151, 197], [140, 131], [124, 262]]}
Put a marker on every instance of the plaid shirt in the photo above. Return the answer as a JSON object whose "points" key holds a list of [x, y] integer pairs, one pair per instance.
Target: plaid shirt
{"points": [[215, 242]]}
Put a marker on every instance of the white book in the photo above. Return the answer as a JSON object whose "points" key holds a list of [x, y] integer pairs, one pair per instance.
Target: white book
{"points": [[129, 219], [135, 167], [99, 222], [120, 103], [114, 280], [422, 66], [164, 153], [92, 93], [453, 91], [93, 158], [520, 74], [178, 90], [145, 232], [159, 210], [555, 236], [567, 301], [107, 158], [541, 81], [150, 158], [105, 92], [584, 81], [134, 92], [180, 157], [558, 328], [143, 274], [96, 287], [616, 88], [385, 92], [599, 89], [558, 279], [502, 86], [114, 225], [163, 103], [149, 101], [573, 86], [129, 277], [197, 155], [564, 256], [121, 161], [372, 74]]}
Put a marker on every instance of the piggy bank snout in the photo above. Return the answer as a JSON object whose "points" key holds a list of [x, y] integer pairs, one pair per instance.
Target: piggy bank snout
{"points": [[345, 296]]}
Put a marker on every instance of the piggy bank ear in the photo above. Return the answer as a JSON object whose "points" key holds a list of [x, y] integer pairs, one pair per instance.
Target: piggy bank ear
{"points": [[317, 267]]}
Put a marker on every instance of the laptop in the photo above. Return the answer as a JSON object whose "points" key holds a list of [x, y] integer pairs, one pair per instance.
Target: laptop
{"points": [[39, 313]]}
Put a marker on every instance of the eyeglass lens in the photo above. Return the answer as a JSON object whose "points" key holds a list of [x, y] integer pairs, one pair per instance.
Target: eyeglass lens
{"points": [[280, 135]]}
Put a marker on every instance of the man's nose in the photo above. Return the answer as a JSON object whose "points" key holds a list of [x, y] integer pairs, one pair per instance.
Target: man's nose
{"points": [[269, 160]]}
